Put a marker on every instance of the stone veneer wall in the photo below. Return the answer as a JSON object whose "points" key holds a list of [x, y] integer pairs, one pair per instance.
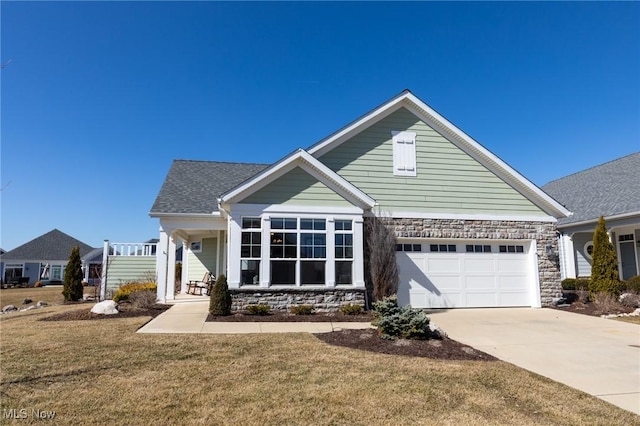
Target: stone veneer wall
{"points": [[324, 300], [543, 232]]}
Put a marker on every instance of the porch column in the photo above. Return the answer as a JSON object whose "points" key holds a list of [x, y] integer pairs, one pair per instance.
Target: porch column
{"points": [[233, 268], [103, 273], [358, 252], [161, 266], [171, 268], [567, 258]]}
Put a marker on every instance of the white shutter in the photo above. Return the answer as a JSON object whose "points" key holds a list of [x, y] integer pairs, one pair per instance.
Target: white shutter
{"points": [[404, 153]]}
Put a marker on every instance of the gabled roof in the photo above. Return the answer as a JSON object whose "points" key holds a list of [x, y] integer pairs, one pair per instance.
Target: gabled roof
{"points": [[408, 100], [315, 168], [193, 187], [610, 189], [54, 245]]}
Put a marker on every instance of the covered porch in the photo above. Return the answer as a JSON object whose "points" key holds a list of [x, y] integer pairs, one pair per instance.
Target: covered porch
{"points": [[203, 242]]}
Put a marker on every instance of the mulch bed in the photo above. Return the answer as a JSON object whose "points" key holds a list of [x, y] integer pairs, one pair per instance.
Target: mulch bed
{"points": [[288, 317], [592, 309], [126, 311], [368, 340]]}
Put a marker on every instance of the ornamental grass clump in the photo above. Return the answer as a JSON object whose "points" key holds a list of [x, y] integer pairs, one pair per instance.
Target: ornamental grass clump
{"points": [[260, 310], [351, 309], [220, 300], [395, 322], [124, 291], [302, 310]]}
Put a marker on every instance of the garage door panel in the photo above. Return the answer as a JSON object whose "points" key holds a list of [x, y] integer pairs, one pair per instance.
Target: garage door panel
{"points": [[512, 282], [512, 265], [513, 299], [443, 265], [479, 265], [480, 300], [480, 282]]}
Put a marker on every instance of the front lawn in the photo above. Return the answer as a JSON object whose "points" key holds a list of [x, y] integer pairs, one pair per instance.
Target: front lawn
{"points": [[261, 379], [52, 294]]}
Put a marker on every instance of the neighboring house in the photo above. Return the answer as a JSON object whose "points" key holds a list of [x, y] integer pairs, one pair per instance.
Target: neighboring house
{"points": [[472, 232], [611, 190], [45, 258]]}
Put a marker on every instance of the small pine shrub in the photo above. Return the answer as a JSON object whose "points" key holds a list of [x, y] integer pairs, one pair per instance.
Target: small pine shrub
{"points": [[72, 288], [302, 310], [604, 263], [220, 300], [351, 309], [395, 322], [126, 290], [632, 285], [260, 310]]}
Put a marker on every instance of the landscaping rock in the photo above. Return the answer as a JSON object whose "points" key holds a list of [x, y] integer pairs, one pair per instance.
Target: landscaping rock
{"points": [[108, 307], [556, 301], [41, 303], [9, 308], [26, 301], [29, 308], [87, 297]]}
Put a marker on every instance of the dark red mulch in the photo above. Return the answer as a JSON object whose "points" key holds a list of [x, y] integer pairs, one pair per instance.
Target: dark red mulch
{"points": [[592, 309], [368, 340], [287, 317], [126, 311]]}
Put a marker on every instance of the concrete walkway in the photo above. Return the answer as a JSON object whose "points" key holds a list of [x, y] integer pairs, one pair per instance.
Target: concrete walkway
{"points": [[598, 356], [191, 318]]}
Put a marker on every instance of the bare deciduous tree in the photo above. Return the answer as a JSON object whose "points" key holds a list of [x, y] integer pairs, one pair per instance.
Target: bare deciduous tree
{"points": [[380, 257]]}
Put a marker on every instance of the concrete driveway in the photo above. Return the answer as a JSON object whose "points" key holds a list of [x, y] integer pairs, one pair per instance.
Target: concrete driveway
{"points": [[598, 356]]}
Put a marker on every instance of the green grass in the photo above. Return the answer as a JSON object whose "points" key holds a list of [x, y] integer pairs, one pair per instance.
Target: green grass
{"points": [[263, 380]]}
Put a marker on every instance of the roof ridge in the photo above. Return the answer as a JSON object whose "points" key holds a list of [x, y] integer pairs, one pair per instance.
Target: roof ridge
{"points": [[221, 162]]}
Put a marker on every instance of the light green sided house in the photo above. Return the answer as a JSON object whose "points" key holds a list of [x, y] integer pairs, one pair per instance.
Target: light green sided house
{"points": [[472, 232]]}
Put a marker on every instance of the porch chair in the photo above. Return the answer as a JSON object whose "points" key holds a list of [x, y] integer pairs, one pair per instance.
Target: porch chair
{"points": [[199, 285]]}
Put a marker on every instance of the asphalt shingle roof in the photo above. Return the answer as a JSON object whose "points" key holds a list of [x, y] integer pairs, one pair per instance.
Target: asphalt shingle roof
{"points": [[194, 186], [609, 189], [54, 245]]}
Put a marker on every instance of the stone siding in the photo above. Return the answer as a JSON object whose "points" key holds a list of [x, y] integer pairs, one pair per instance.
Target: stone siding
{"points": [[543, 232], [323, 300]]}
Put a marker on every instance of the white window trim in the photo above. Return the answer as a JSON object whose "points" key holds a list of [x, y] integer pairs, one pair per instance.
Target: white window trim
{"points": [[404, 153], [235, 232]]}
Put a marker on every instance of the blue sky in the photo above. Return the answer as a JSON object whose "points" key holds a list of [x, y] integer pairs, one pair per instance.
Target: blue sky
{"points": [[98, 98]]}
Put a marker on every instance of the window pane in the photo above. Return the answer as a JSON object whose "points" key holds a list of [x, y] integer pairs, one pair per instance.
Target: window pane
{"points": [[250, 271], [306, 223], [417, 247], [290, 251], [277, 223], [319, 224], [348, 239], [290, 239], [343, 272], [519, 249], [256, 238], [433, 247], [319, 252], [339, 252], [255, 251], [283, 272], [246, 237], [442, 247], [340, 239], [277, 252], [306, 252], [511, 249], [348, 252], [503, 249], [245, 251], [312, 272], [469, 248], [398, 246], [487, 249], [290, 223]]}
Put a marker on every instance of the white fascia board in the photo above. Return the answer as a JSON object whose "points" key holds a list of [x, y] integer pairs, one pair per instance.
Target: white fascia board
{"points": [[183, 215], [292, 210], [310, 165], [589, 222], [453, 134], [467, 216]]}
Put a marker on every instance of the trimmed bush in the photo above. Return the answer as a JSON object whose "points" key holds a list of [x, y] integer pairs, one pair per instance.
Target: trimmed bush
{"points": [[394, 322], [604, 263], [261, 310], [632, 285], [302, 310], [220, 300], [351, 309], [575, 284], [126, 290]]}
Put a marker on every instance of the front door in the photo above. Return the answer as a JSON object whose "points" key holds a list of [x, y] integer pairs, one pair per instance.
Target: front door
{"points": [[628, 259]]}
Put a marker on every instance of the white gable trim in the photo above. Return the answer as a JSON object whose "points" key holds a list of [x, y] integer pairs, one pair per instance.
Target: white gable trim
{"points": [[456, 136], [467, 216], [310, 165]]}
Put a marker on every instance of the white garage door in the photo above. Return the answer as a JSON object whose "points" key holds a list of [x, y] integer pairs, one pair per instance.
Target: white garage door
{"points": [[465, 274]]}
